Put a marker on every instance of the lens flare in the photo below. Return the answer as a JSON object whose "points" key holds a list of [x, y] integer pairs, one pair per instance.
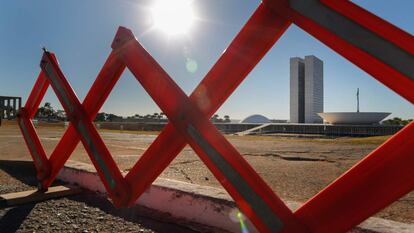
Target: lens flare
{"points": [[173, 16], [191, 65], [237, 216], [242, 223]]}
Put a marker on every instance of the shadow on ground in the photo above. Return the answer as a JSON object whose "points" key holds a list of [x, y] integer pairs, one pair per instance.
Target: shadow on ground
{"points": [[154, 220], [11, 221], [25, 172]]}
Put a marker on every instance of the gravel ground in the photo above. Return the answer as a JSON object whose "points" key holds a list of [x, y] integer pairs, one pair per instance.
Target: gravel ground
{"points": [[87, 212]]}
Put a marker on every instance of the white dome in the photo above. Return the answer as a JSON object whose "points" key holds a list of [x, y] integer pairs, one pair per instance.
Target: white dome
{"points": [[256, 119]]}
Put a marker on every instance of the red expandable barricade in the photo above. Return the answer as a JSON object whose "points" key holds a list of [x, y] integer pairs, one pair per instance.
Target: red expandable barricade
{"points": [[374, 45]]}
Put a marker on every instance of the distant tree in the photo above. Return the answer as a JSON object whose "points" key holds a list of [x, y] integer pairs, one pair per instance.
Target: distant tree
{"points": [[406, 122], [397, 121], [46, 111], [215, 118], [101, 116], [61, 115], [112, 117], [49, 111], [40, 112]]}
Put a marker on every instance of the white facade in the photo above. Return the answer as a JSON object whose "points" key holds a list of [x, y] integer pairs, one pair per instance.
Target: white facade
{"points": [[313, 89], [306, 90], [297, 90]]}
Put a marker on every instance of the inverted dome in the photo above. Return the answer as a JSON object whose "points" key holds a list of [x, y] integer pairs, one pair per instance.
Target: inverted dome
{"points": [[365, 118], [256, 119]]}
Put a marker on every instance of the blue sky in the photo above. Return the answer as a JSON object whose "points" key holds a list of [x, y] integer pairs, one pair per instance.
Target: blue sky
{"points": [[80, 33]]}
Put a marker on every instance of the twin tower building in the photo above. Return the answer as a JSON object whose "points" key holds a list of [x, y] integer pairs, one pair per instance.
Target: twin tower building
{"points": [[306, 89]]}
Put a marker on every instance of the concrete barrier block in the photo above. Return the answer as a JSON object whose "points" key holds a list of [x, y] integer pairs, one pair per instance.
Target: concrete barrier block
{"points": [[201, 204]]}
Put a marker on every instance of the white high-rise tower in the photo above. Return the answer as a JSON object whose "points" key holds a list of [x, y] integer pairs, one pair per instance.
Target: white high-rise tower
{"points": [[306, 89]]}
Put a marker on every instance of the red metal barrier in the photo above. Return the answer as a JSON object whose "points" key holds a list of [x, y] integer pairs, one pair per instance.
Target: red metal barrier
{"points": [[377, 47], [80, 122]]}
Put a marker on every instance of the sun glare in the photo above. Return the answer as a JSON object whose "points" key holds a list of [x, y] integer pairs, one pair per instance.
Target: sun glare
{"points": [[173, 16]]}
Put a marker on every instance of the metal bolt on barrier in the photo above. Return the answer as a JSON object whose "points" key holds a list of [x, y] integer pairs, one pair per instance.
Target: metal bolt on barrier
{"points": [[376, 46]]}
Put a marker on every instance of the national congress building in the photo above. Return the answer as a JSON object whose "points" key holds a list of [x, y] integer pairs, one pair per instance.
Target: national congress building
{"points": [[306, 89]]}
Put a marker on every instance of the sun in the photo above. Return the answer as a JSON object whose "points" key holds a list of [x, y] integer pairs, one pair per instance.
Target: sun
{"points": [[174, 17]]}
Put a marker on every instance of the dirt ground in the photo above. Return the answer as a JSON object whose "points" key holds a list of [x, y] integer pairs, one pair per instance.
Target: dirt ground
{"points": [[85, 212], [295, 168]]}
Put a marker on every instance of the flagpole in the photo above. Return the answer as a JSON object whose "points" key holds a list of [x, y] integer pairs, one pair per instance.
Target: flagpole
{"points": [[357, 99]]}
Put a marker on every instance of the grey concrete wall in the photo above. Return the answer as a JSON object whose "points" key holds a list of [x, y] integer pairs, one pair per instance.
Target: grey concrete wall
{"points": [[135, 126], [191, 203], [330, 130]]}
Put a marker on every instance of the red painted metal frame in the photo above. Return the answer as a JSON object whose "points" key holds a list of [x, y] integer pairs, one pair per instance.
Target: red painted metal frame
{"points": [[381, 178]]}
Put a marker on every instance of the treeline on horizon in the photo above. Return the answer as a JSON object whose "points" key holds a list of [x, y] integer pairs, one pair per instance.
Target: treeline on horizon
{"points": [[155, 117], [47, 112], [396, 121]]}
